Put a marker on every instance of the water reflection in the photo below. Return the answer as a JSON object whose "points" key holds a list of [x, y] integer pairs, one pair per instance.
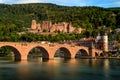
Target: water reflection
{"points": [[61, 69], [106, 68], [106, 64]]}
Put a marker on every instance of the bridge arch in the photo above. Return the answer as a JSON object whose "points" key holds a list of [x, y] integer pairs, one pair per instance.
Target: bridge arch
{"points": [[96, 54], [63, 52], [43, 51], [82, 53], [17, 54], [101, 54]]}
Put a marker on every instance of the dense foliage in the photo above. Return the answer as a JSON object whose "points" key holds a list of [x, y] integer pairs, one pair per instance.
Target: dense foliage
{"points": [[20, 15], [16, 18]]}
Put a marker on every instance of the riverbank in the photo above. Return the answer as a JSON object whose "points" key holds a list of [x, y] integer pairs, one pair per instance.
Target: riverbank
{"points": [[80, 57], [6, 55], [107, 57]]}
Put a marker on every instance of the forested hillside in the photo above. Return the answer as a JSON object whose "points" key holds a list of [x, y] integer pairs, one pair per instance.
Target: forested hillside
{"points": [[17, 17], [20, 15]]}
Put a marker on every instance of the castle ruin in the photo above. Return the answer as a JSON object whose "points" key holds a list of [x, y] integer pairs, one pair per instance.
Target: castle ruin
{"points": [[47, 26]]}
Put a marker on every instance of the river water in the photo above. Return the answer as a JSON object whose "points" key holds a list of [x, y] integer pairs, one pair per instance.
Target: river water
{"points": [[60, 69]]}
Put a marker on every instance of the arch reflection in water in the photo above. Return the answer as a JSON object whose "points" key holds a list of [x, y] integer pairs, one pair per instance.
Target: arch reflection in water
{"points": [[45, 70]]}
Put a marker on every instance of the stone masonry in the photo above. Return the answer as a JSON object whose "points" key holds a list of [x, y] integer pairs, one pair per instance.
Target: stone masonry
{"points": [[47, 26]]}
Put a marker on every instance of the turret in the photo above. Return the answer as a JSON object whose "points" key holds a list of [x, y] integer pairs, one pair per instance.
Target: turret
{"points": [[98, 37], [33, 25]]}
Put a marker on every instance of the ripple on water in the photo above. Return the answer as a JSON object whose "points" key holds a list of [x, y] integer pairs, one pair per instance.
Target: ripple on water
{"points": [[60, 69]]}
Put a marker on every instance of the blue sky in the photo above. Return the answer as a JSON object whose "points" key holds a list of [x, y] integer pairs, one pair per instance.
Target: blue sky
{"points": [[101, 3]]}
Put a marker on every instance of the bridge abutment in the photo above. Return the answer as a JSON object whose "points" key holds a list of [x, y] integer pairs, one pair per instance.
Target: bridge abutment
{"points": [[92, 51], [24, 57]]}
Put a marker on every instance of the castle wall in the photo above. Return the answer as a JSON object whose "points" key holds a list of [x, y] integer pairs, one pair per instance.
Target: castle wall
{"points": [[34, 24], [48, 26]]}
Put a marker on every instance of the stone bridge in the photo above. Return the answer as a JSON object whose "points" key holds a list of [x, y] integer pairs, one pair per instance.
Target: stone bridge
{"points": [[22, 49]]}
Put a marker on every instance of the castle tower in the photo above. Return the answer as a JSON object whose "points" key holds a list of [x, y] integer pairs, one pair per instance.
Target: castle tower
{"points": [[33, 25], [98, 37], [105, 42]]}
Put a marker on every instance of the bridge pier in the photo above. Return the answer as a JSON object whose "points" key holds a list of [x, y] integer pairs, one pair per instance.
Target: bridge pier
{"points": [[51, 58], [24, 57], [92, 51], [72, 57], [73, 54], [51, 54], [24, 54]]}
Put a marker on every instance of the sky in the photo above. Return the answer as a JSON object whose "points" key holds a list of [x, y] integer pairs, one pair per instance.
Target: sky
{"points": [[100, 3]]}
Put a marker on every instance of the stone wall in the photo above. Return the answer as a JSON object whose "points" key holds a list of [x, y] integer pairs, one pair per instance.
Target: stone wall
{"points": [[47, 26]]}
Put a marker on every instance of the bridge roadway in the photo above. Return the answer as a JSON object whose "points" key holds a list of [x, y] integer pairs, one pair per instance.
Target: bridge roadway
{"points": [[22, 49]]}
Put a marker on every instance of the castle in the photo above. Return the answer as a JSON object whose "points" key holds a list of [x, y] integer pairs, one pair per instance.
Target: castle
{"points": [[47, 26]]}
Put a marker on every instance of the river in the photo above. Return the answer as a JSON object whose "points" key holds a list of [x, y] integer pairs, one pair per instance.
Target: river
{"points": [[60, 69]]}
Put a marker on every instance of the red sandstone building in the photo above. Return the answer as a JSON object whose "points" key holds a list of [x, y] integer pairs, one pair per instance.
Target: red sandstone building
{"points": [[47, 26]]}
